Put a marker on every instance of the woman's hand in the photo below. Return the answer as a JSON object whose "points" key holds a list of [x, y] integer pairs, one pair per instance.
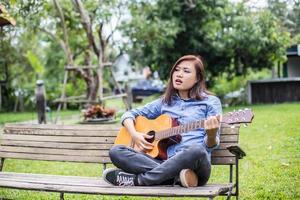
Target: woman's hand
{"points": [[140, 141], [211, 126]]}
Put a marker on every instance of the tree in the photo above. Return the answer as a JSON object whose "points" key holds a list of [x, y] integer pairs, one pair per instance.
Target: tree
{"points": [[230, 37], [58, 34]]}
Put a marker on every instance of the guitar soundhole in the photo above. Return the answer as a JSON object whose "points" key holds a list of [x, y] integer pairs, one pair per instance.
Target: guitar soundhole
{"points": [[152, 133]]}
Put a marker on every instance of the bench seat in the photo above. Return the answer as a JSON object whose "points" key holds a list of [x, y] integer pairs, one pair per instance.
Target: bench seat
{"points": [[91, 144], [93, 185]]}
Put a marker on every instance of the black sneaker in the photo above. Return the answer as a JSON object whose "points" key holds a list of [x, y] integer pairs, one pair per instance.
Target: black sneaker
{"points": [[118, 177]]}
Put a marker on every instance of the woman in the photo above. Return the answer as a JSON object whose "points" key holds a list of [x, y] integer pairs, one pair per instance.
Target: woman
{"points": [[187, 100]]}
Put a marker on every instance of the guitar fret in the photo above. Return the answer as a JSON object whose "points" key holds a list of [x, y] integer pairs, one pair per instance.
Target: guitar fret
{"points": [[179, 129]]}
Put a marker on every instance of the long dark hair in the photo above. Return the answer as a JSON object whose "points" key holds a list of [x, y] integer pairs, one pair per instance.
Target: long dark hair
{"points": [[197, 91]]}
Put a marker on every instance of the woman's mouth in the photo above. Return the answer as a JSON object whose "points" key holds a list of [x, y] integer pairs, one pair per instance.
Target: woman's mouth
{"points": [[178, 81]]}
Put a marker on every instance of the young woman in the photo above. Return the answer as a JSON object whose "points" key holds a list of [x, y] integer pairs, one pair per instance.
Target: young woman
{"points": [[187, 100]]}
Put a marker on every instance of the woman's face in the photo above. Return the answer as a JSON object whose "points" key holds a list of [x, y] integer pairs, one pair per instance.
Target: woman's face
{"points": [[184, 76]]}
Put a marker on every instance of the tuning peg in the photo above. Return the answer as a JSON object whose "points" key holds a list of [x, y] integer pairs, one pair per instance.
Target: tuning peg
{"points": [[245, 125]]}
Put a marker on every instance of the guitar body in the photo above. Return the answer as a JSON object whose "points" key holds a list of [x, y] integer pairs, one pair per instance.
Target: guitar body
{"points": [[144, 125]]}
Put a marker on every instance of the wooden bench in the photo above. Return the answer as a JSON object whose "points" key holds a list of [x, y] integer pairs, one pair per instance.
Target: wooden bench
{"points": [[90, 144]]}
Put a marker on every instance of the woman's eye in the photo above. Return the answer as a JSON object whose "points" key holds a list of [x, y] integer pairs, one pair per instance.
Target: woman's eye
{"points": [[187, 71]]}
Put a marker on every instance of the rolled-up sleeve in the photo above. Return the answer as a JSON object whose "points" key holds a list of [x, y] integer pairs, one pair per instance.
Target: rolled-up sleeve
{"points": [[214, 108], [151, 111]]}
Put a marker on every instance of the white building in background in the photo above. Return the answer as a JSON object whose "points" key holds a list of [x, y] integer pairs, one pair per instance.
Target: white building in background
{"points": [[292, 66], [124, 71]]}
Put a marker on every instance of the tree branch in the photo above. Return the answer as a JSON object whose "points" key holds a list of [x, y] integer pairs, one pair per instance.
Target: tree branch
{"points": [[65, 34], [86, 22]]}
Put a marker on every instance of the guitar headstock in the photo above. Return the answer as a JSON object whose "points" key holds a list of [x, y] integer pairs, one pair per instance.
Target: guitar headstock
{"points": [[237, 117]]}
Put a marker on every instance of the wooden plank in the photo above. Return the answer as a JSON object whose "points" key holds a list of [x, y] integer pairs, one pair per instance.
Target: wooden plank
{"points": [[229, 138], [224, 145], [58, 145], [91, 159], [64, 180], [59, 138], [42, 150], [61, 132], [50, 177], [111, 127], [176, 191], [28, 156], [222, 160], [78, 139], [221, 153], [86, 182], [229, 131]]}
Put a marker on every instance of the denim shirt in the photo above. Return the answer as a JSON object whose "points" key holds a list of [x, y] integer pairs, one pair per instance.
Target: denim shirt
{"points": [[184, 111]]}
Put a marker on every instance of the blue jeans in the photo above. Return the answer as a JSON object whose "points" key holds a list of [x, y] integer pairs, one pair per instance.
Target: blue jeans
{"points": [[152, 171]]}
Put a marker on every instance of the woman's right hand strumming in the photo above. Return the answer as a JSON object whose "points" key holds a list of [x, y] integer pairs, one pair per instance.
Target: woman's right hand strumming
{"points": [[139, 139]]}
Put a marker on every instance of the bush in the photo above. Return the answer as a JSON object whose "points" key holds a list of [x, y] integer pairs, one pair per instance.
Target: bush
{"points": [[233, 91]]}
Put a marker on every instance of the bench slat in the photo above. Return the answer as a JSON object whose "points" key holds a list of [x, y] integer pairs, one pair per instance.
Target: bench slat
{"points": [[75, 139], [63, 184], [52, 151], [65, 145], [15, 126], [59, 138], [57, 145], [29, 176], [86, 130], [229, 138], [221, 153], [61, 132], [72, 152], [223, 160], [28, 156]]}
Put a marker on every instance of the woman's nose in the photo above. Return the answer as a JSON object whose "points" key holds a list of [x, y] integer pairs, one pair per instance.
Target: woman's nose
{"points": [[179, 74]]}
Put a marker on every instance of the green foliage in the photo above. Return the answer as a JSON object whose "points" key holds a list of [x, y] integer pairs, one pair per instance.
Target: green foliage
{"points": [[238, 83], [35, 63], [230, 37]]}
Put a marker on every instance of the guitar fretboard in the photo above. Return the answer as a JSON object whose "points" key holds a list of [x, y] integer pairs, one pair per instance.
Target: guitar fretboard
{"points": [[179, 130]]}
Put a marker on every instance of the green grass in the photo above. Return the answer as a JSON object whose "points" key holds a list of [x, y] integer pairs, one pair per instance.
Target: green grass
{"points": [[9, 117], [271, 169]]}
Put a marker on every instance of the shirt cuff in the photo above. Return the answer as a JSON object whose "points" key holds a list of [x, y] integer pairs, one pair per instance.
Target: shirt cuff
{"points": [[127, 115]]}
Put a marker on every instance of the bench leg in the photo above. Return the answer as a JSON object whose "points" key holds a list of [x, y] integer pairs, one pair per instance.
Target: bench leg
{"points": [[210, 198], [61, 196], [229, 194]]}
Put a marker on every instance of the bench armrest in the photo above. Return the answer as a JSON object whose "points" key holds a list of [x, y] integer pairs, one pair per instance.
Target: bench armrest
{"points": [[237, 151]]}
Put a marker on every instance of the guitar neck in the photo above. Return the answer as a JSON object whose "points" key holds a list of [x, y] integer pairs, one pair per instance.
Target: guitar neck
{"points": [[179, 130], [235, 117]]}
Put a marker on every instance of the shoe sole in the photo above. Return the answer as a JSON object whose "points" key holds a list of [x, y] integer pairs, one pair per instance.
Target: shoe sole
{"points": [[188, 178], [105, 172]]}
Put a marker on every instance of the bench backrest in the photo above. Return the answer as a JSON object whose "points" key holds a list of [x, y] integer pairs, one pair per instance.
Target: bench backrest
{"points": [[81, 143]]}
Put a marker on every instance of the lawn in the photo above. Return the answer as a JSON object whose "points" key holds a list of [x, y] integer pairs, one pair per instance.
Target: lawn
{"points": [[9, 117], [271, 169]]}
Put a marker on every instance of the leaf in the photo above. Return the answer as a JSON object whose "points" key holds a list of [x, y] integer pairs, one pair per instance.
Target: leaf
{"points": [[35, 62]]}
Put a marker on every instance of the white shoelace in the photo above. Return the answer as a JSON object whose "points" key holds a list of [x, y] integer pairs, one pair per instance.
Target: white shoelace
{"points": [[124, 180]]}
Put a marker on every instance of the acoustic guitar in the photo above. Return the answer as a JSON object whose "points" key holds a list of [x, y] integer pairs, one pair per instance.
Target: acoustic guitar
{"points": [[166, 131]]}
